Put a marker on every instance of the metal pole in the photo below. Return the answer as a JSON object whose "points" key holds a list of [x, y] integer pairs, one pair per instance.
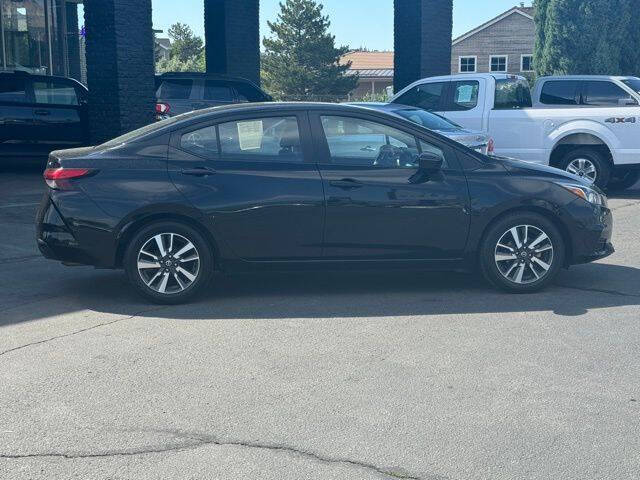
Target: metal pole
{"points": [[47, 20], [4, 48]]}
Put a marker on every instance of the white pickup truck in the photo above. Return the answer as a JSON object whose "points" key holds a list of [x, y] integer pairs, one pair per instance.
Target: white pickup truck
{"points": [[587, 125]]}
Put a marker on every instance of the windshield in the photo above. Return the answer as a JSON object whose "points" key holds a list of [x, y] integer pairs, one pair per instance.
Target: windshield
{"points": [[428, 120], [633, 84]]}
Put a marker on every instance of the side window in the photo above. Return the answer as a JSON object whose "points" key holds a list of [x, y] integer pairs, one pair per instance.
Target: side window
{"points": [[13, 90], [606, 94], [247, 93], [465, 95], [202, 142], [562, 92], [426, 96], [353, 141], [217, 91], [55, 92], [175, 89], [273, 139]]}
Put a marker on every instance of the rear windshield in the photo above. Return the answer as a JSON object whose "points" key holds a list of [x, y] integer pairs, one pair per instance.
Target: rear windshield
{"points": [[248, 93], [175, 89], [428, 120], [512, 93], [149, 129]]}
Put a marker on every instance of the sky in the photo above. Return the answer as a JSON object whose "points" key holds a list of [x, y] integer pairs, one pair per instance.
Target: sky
{"points": [[356, 23]]}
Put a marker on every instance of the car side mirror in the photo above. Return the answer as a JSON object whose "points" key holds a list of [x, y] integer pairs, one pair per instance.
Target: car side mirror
{"points": [[429, 162]]}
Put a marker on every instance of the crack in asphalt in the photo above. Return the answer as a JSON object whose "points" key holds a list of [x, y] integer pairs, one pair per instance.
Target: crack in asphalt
{"points": [[76, 332], [626, 205], [5, 261], [600, 290], [198, 441]]}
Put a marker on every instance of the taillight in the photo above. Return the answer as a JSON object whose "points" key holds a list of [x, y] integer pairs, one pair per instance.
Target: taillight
{"points": [[58, 177], [491, 147], [163, 108]]}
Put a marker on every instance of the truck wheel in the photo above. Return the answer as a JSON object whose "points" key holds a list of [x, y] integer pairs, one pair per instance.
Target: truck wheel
{"points": [[624, 180], [589, 164]]}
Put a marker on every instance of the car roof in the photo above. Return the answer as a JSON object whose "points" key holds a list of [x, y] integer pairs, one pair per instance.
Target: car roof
{"points": [[211, 76], [22, 73], [585, 77]]}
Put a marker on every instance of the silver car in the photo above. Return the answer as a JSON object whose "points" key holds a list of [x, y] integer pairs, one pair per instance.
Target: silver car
{"points": [[479, 141]]}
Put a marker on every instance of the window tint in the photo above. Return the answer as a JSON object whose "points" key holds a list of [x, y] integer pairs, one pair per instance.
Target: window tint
{"points": [[217, 91], [467, 64], [425, 96], [274, 139], [499, 63], [55, 92], [559, 93], [12, 90], [247, 93], [512, 94], [175, 89], [465, 95], [604, 94], [202, 142], [353, 141]]}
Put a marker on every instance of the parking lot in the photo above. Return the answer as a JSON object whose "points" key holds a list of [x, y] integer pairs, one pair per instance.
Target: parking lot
{"points": [[321, 376]]}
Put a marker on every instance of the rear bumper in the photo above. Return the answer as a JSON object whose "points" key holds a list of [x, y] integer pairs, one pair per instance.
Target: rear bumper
{"points": [[68, 241]]}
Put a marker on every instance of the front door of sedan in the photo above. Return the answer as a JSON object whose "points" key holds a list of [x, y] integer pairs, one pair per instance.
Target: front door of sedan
{"points": [[254, 179], [380, 205]]}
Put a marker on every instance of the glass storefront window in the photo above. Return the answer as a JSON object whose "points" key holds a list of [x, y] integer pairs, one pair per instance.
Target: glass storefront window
{"points": [[25, 37]]}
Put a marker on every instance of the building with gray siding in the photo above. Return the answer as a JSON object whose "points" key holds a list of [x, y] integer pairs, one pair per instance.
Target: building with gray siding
{"points": [[502, 45]]}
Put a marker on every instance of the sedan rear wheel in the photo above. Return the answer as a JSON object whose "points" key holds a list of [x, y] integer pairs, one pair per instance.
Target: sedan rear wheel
{"points": [[522, 253], [168, 262]]}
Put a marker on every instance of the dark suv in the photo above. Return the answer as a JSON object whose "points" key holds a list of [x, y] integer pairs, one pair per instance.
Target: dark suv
{"points": [[39, 114], [183, 92]]}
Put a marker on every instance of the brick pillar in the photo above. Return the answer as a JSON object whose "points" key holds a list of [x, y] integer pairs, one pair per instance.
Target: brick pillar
{"points": [[120, 66], [423, 34], [232, 37], [73, 40]]}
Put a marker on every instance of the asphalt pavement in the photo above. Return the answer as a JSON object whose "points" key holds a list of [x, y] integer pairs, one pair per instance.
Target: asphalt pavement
{"points": [[316, 376]]}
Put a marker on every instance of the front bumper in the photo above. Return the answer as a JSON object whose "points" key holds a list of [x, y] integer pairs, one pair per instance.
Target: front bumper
{"points": [[592, 232]]}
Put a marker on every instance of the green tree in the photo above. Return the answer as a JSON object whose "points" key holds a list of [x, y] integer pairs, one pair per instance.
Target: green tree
{"points": [[301, 59], [587, 37], [186, 53]]}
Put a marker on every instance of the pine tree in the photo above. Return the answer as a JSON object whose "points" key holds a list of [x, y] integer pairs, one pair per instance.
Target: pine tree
{"points": [[587, 37], [300, 60]]}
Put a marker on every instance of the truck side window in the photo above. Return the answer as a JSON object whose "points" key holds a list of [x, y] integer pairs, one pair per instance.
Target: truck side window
{"points": [[606, 94], [426, 96], [562, 92], [465, 95]]}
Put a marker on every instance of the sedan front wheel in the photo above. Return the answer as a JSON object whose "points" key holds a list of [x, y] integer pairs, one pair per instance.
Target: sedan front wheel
{"points": [[522, 253]]}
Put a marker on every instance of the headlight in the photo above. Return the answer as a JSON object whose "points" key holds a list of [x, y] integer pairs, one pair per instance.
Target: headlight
{"points": [[586, 193]]}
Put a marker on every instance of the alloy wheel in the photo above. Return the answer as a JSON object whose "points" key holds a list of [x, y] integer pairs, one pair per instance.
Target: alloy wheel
{"points": [[168, 263], [524, 254], [584, 168]]}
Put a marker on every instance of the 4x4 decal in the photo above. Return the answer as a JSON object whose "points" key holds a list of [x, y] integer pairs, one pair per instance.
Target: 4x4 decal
{"points": [[621, 120]]}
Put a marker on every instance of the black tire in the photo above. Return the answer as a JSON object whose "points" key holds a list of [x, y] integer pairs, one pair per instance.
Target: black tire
{"points": [[499, 231], [623, 180], [178, 288], [599, 161]]}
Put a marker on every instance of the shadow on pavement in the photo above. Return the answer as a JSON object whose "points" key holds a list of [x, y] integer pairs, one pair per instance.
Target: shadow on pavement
{"points": [[337, 295]]}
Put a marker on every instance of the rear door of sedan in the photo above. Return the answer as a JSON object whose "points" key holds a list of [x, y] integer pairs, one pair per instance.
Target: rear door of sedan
{"points": [[252, 176]]}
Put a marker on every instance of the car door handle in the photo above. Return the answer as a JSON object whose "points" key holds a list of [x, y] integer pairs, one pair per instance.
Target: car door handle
{"points": [[198, 172], [43, 112], [346, 183]]}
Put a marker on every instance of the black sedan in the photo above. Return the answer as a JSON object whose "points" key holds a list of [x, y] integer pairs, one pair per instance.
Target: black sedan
{"points": [[290, 186]]}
